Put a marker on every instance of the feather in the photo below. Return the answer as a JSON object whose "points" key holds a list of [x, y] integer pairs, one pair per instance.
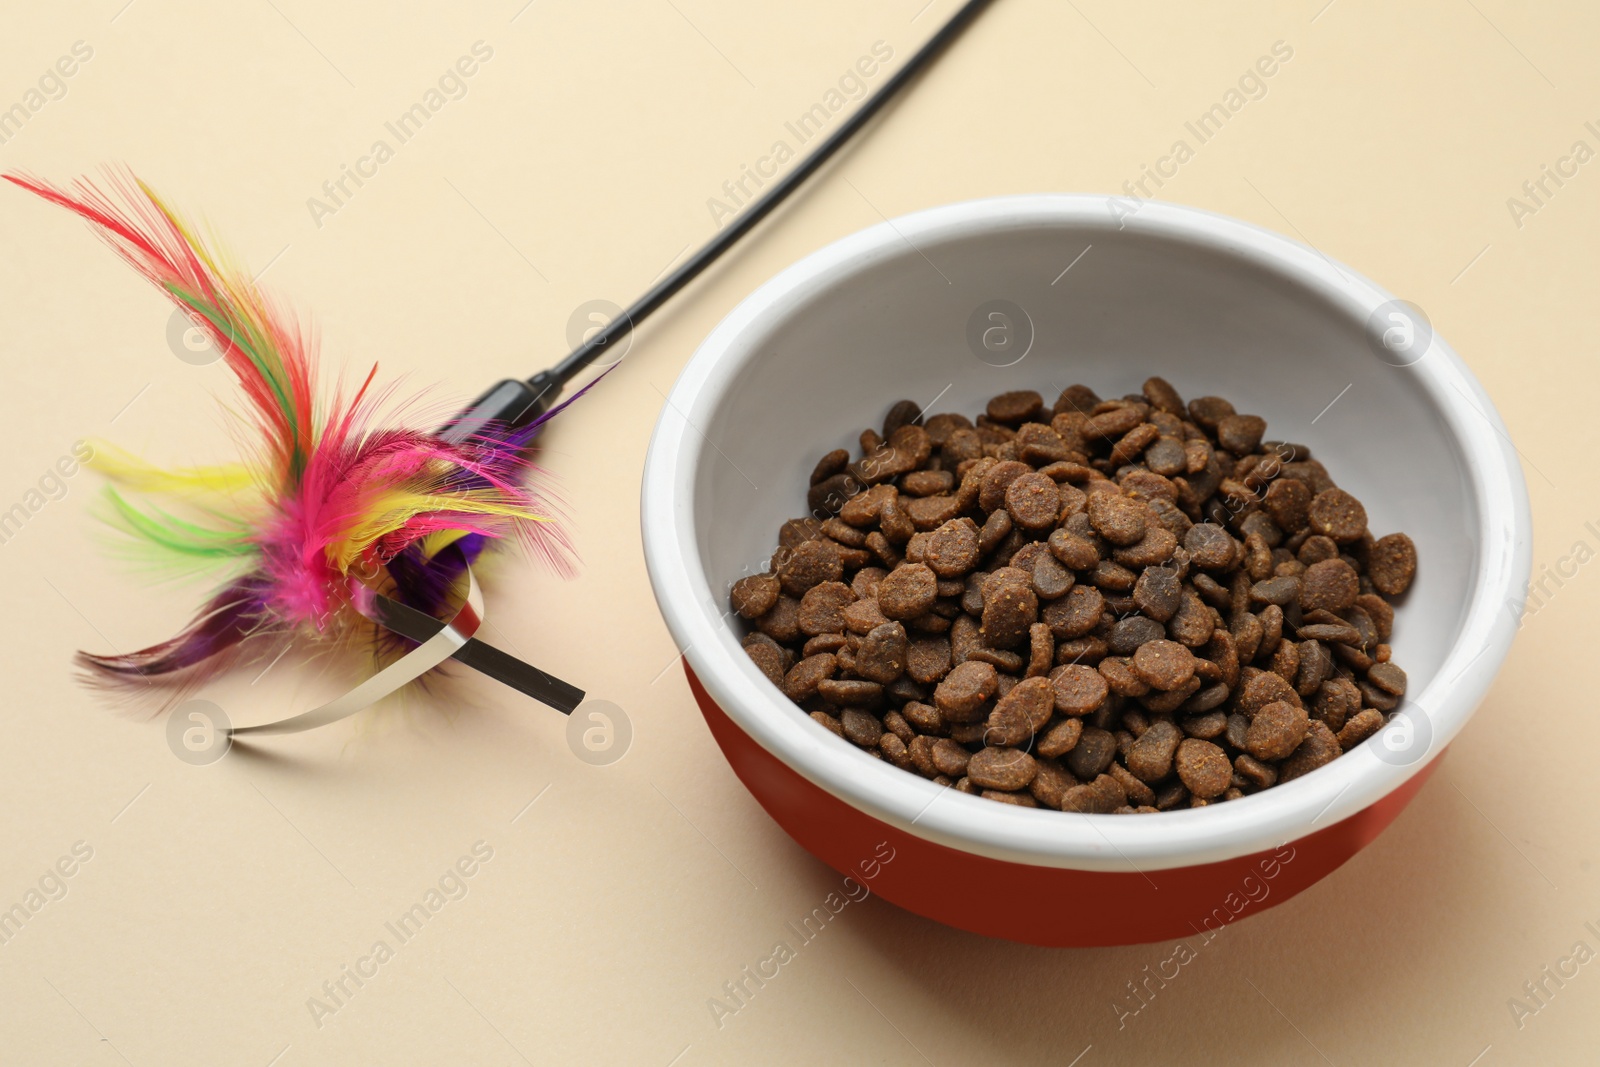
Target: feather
{"points": [[325, 502]]}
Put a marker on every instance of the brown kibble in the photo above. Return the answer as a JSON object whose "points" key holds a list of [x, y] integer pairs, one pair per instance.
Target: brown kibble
{"points": [[950, 758], [860, 727], [1022, 712], [963, 692], [952, 549], [754, 595], [1240, 434], [1331, 585], [1338, 515], [768, 656], [1119, 519], [1208, 411], [822, 608], [782, 623], [1074, 552], [1050, 783], [1179, 611], [1210, 547], [802, 680], [1158, 593], [1361, 726], [1319, 747], [1102, 796], [1166, 665], [1388, 677], [1203, 768], [851, 692], [908, 591], [1167, 456], [1391, 564], [1032, 501], [1016, 407], [1076, 613], [1263, 688], [1078, 690], [1276, 731], [1093, 753], [829, 722], [1163, 397], [1254, 772], [1289, 503], [1150, 756], [1007, 769], [882, 655], [810, 563], [829, 465], [1060, 738], [928, 659]]}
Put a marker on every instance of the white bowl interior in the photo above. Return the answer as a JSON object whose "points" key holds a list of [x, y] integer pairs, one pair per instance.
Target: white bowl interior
{"points": [[1212, 305]]}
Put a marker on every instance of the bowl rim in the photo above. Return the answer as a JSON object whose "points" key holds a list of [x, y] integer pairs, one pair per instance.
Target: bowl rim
{"points": [[696, 618]]}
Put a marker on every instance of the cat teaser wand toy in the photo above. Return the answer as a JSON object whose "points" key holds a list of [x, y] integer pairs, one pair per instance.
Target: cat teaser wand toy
{"points": [[332, 527]]}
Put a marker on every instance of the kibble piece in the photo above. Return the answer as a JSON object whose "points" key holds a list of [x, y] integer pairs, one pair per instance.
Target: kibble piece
{"points": [[950, 758], [1388, 677], [1022, 712], [1166, 456], [1361, 726], [1163, 664], [1240, 434], [1032, 501], [810, 563], [1391, 564], [754, 595], [928, 659], [1060, 739], [1276, 731], [1050, 578], [829, 465], [963, 692], [1319, 747], [1001, 768], [1076, 613], [1074, 552], [802, 680], [1209, 411], [1158, 593], [1119, 519], [860, 727], [1078, 690], [882, 655], [1210, 547], [1102, 796], [952, 549], [851, 692], [1017, 407], [908, 591], [1150, 756], [1203, 768], [782, 623], [1010, 608], [1331, 585], [1093, 753], [1130, 633], [822, 608], [1254, 772], [1338, 515], [1288, 501], [768, 656]]}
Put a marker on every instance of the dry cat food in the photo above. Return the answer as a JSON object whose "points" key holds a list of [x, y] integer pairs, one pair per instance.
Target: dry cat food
{"points": [[1127, 605]]}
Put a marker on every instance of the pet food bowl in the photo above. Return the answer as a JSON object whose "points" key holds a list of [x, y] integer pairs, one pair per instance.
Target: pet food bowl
{"points": [[950, 306]]}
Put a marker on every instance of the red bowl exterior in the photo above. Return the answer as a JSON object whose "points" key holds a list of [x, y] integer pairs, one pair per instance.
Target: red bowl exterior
{"points": [[1047, 906]]}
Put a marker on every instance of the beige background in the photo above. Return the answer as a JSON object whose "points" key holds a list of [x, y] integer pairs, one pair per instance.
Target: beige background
{"points": [[219, 899]]}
